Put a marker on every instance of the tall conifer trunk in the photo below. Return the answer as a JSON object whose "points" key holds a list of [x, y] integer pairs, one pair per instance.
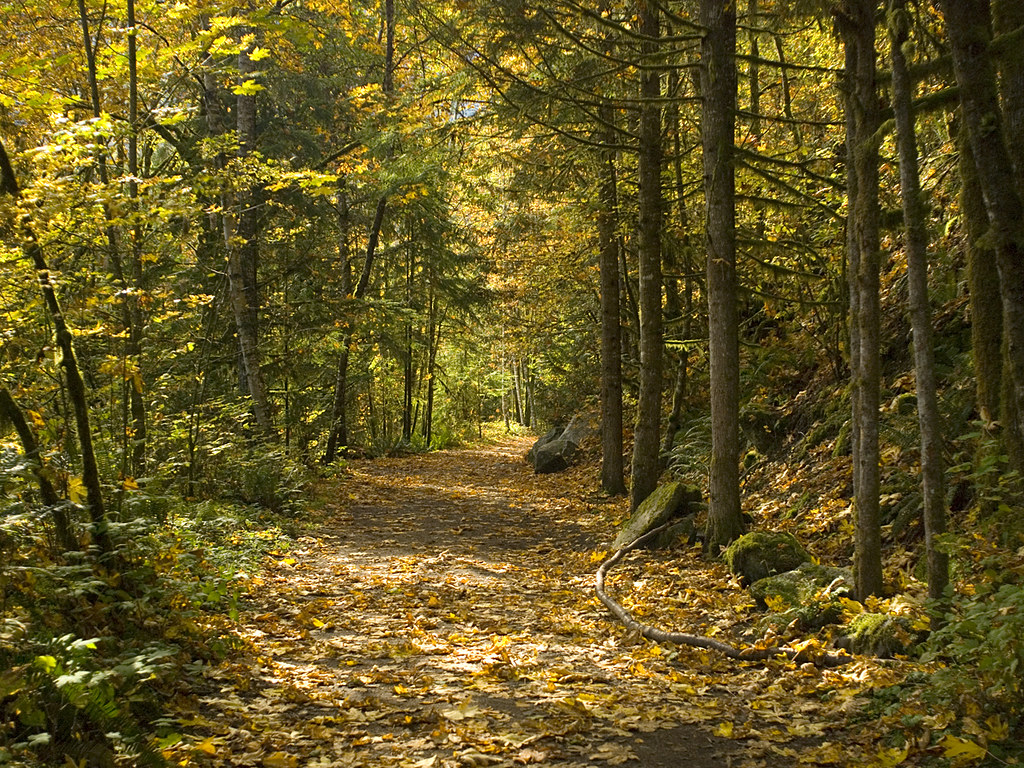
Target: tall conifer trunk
{"points": [[718, 125], [646, 461], [857, 23], [914, 218]]}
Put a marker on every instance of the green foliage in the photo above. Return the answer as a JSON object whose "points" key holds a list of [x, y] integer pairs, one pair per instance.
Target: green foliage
{"points": [[980, 642], [261, 476], [63, 698]]}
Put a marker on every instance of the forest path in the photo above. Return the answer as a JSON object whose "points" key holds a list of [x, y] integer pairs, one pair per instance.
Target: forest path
{"points": [[445, 616]]}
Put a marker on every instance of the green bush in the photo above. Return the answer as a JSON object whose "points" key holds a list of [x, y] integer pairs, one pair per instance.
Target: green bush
{"points": [[982, 642], [259, 476]]}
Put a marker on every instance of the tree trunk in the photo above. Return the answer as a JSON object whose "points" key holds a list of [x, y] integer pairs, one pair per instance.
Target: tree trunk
{"points": [[983, 287], [718, 125], [337, 435], [240, 239], [134, 448], [100, 525], [612, 481], [9, 411], [678, 310], [646, 466], [969, 27], [1008, 17], [133, 348], [857, 22], [914, 218]]}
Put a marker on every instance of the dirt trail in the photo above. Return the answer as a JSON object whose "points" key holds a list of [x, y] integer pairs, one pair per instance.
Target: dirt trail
{"points": [[445, 616]]}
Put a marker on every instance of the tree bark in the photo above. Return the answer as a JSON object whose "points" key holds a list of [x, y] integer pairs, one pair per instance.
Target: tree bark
{"points": [[10, 412], [612, 480], [646, 465], [914, 219], [857, 22], [338, 434], [1007, 18], [678, 309], [969, 26], [240, 238], [718, 125], [100, 524], [134, 451]]}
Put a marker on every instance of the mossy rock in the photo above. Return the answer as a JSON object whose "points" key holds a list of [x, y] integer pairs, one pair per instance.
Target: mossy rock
{"points": [[684, 528], [800, 585], [763, 553], [801, 591], [668, 501], [877, 634]]}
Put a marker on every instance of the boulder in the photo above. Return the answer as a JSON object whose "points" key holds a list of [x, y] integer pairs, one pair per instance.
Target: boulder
{"points": [[668, 501], [556, 450], [756, 555], [802, 584], [877, 634], [553, 434], [809, 595], [554, 456]]}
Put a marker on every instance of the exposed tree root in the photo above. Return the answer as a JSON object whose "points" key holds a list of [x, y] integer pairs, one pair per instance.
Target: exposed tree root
{"points": [[698, 641]]}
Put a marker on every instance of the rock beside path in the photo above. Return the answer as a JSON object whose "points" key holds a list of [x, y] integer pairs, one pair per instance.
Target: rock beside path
{"points": [[672, 500]]}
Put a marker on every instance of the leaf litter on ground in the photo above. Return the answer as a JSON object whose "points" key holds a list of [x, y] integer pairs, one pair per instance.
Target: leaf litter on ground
{"points": [[443, 615]]}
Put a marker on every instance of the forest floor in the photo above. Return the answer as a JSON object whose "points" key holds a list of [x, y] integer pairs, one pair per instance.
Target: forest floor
{"points": [[443, 614]]}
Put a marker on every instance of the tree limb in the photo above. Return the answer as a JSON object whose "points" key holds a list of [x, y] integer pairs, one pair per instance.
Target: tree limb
{"points": [[697, 641]]}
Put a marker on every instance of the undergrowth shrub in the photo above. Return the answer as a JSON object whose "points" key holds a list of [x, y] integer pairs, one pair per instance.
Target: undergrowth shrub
{"points": [[983, 634], [260, 476], [89, 653]]}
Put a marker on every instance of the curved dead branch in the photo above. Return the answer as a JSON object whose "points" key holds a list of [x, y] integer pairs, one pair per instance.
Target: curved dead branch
{"points": [[698, 641]]}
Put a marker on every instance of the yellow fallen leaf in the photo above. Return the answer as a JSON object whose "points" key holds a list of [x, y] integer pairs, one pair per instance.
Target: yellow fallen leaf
{"points": [[724, 730], [207, 746], [996, 728], [280, 760], [889, 758], [961, 750]]}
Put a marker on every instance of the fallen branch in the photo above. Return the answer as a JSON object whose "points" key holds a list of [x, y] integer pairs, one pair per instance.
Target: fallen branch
{"points": [[698, 641]]}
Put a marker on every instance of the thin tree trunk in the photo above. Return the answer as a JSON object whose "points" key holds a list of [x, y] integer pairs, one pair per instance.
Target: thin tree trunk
{"points": [[134, 346], [646, 465], [131, 314], [969, 27], [10, 412], [339, 430], [100, 525], [612, 481], [857, 22], [718, 125], [337, 435], [679, 310], [914, 218]]}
